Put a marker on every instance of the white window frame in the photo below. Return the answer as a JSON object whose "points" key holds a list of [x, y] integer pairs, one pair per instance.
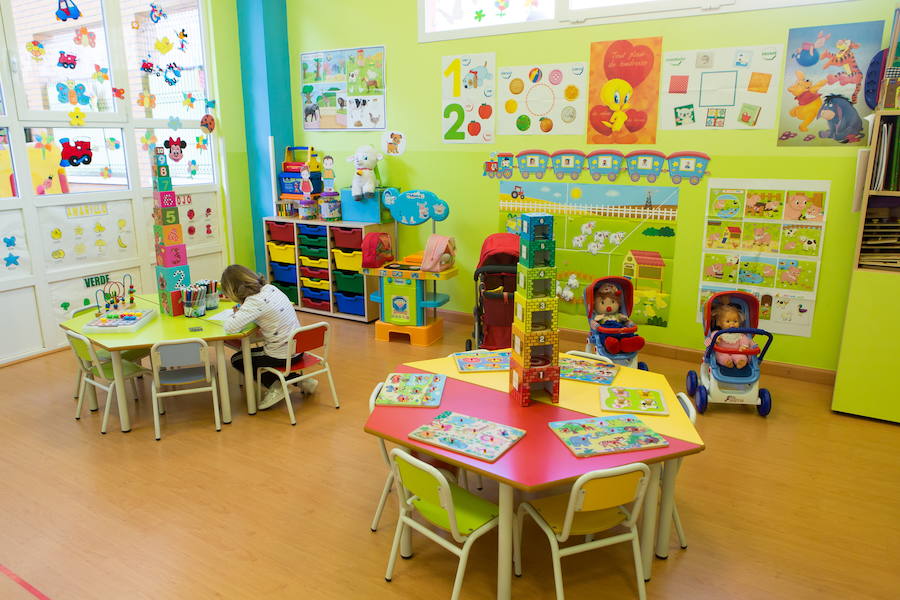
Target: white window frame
{"points": [[644, 11], [18, 117]]}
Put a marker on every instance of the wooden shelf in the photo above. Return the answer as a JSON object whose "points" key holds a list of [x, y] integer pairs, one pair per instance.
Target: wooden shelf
{"points": [[892, 193]]}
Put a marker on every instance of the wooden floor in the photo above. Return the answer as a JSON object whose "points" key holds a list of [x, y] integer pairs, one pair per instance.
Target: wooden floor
{"points": [[800, 505]]}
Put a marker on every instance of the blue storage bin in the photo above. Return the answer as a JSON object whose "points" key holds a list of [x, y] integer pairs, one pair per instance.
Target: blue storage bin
{"points": [[313, 229], [284, 273], [290, 183], [314, 294], [352, 304], [364, 211]]}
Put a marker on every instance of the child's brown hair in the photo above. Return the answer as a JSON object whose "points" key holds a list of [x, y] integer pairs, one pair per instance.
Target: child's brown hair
{"points": [[238, 282]]}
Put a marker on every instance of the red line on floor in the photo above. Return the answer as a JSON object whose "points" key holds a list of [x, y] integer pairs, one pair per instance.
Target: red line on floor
{"points": [[24, 584]]}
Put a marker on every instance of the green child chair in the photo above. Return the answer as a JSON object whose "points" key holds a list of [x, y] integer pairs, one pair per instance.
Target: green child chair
{"points": [[426, 491], [598, 501]]}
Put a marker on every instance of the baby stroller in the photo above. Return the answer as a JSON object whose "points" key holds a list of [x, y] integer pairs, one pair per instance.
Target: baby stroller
{"points": [[596, 341], [495, 284], [733, 385]]}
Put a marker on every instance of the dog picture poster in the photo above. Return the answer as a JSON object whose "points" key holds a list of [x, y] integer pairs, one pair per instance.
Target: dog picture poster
{"points": [[343, 89]]}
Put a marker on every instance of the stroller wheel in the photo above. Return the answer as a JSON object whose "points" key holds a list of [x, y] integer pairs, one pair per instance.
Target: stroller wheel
{"points": [[643, 366], [691, 383], [765, 402], [468, 345], [701, 399]]}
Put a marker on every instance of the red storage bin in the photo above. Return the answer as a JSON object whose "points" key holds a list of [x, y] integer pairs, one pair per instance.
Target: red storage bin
{"points": [[316, 304], [281, 232], [346, 237], [314, 273]]}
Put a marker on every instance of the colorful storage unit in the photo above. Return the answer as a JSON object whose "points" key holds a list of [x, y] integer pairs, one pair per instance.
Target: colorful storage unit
{"points": [[534, 364], [172, 270], [318, 265]]}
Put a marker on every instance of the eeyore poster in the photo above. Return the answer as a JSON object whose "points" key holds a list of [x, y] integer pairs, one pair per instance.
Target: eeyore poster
{"points": [[824, 100]]}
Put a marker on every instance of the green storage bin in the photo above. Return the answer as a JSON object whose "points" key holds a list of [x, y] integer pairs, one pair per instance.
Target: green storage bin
{"points": [[289, 290], [313, 252], [313, 240], [351, 282]]}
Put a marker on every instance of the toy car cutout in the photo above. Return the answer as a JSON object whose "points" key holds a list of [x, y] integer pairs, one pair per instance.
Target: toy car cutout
{"points": [[75, 153], [67, 10]]}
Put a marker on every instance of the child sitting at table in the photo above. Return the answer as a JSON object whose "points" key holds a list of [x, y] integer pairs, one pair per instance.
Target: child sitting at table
{"points": [[272, 311]]}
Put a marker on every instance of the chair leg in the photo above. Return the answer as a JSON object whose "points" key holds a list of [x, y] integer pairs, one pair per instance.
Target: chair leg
{"points": [[638, 564], [337, 404], [461, 569], [157, 410], [80, 396], [480, 485], [676, 518], [287, 400], [215, 397], [463, 479], [557, 569], [395, 547], [78, 383], [388, 483], [110, 397]]}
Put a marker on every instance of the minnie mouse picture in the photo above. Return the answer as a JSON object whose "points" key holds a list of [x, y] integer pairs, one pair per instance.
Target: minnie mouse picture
{"points": [[176, 148]]}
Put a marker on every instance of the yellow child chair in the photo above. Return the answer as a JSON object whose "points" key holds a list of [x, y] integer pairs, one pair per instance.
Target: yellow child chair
{"points": [[426, 491], [179, 363], [598, 502], [92, 368], [135, 355], [305, 339]]}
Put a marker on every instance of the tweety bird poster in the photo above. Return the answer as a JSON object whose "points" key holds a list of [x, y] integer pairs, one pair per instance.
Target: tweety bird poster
{"points": [[623, 97]]}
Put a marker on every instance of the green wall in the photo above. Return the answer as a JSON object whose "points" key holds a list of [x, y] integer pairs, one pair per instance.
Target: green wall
{"points": [[454, 171]]}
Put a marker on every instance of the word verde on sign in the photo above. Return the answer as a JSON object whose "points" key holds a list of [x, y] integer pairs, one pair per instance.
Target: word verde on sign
{"points": [[95, 280]]}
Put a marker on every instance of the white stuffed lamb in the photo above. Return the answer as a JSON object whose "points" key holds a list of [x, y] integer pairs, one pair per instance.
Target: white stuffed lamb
{"points": [[364, 161]]}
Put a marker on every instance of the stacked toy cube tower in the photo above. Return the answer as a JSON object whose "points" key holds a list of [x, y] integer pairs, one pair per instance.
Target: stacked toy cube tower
{"points": [[172, 271], [534, 365]]}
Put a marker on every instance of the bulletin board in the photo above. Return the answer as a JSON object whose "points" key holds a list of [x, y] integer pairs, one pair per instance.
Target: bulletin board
{"points": [[344, 89], [765, 236], [720, 88]]}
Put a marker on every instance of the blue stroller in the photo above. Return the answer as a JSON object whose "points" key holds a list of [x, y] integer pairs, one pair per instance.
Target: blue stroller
{"points": [[734, 384], [625, 343]]}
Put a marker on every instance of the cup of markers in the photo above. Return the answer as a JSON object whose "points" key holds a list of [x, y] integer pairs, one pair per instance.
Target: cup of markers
{"points": [[212, 292], [194, 300]]}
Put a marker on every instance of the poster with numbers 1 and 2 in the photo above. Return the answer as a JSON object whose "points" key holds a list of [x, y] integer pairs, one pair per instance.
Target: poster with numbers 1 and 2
{"points": [[468, 98]]}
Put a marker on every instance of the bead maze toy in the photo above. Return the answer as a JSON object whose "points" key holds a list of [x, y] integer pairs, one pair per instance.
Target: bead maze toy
{"points": [[172, 271], [115, 309], [534, 364]]}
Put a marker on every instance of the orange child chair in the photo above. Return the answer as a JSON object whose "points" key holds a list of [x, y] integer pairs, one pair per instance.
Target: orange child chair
{"points": [[310, 337]]}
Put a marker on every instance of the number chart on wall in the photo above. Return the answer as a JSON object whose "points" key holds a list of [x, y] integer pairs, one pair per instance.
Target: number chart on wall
{"points": [[765, 236], [343, 89], [468, 98], [542, 99]]}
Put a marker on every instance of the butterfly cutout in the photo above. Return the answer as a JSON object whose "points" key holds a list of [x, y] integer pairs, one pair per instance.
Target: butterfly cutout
{"points": [[10, 241], [174, 123], [72, 93], [84, 37], [209, 103], [146, 100]]}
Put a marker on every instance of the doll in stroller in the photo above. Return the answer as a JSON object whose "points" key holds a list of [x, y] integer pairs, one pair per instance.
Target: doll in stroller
{"points": [[608, 302], [730, 369], [495, 284]]}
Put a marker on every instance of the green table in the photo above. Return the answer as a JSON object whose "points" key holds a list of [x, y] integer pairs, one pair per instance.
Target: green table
{"points": [[164, 328]]}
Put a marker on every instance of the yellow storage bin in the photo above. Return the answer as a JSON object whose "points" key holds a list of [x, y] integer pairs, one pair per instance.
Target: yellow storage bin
{"points": [[347, 261], [283, 253], [319, 263], [319, 284]]}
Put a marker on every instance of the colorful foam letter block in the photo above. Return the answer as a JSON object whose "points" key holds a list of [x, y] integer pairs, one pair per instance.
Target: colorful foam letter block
{"points": [[538, 253], [168, 235], [535, 314], [171, 256], [162, 184], [172, 278], [165, 199], [159, 156], [165, 216], [535, 226], [538, 282]]}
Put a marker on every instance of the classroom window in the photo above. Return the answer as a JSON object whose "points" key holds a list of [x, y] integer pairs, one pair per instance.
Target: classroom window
{"points": [[189, 153], [7, 172], [166, 59], [63, 61], [72, 160]]}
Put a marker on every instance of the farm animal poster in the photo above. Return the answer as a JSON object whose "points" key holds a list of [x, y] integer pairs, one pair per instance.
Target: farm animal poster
{"points": [[823, 99], [604, 229], [344, 89], [468, 98], [720, 88], [542, 99], [765, 236], [623, 99]]}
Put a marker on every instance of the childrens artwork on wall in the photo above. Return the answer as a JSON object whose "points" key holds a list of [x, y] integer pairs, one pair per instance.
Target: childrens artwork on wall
{"points": [[822, 100], [605, 229], [766, 237], [343, 89], [468, 98], [86, 234], [393, 143], [65, 160], [623, 99], [542, 99], [16, 260], [720, 88]]}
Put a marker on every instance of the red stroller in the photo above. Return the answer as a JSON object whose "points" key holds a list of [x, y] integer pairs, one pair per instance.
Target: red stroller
{"points": [[495, 284]]}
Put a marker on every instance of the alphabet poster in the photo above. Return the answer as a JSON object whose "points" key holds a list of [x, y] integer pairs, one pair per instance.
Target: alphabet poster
{"points": [[765, 236], [468, 98], [542, 99], [720, 88], [623, 101], [824, 98], [343, 89]]}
